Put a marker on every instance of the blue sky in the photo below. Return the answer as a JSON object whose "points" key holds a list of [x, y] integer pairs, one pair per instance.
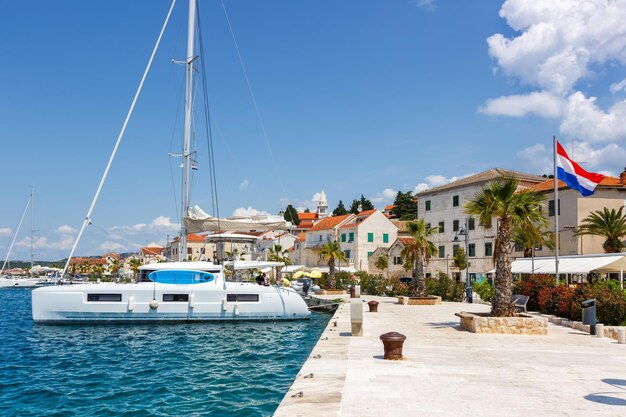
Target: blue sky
{"points": [[356, 98]]}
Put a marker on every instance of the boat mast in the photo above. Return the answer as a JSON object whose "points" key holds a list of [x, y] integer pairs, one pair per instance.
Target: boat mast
{"points": [[182, 255], [32, 227]]}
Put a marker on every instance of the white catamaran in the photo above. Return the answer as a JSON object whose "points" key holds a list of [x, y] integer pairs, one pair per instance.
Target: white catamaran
{"points": [[173, 291]]}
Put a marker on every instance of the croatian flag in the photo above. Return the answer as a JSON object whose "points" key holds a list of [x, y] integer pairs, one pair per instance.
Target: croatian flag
{"points": [[573, 175]]}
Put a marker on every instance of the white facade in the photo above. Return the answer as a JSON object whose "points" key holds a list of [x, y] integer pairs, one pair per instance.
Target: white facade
{"points": [[362, 236], [444, 207]]}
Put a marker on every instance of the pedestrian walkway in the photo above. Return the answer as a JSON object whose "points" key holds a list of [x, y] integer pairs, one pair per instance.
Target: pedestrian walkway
{"points": [[450, 372]]}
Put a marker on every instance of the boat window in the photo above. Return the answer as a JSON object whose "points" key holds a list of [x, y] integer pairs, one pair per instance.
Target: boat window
{"points": [[242, 297], [176, 297], [104, 297]]}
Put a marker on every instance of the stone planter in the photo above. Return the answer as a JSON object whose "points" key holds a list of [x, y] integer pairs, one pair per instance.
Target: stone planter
{"points": [[427, 300], [403, 300], [331, 292], [522, 324]]}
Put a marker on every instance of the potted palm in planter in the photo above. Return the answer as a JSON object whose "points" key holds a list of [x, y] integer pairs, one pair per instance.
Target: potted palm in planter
{"points": [[417, 253]]}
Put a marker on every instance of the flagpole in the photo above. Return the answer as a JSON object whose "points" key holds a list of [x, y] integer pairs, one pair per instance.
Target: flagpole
{"points": [[556, 217]]}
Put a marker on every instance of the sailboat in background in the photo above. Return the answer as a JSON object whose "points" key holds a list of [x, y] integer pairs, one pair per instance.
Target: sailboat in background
{"points": [[174, 291], [6, 280]]}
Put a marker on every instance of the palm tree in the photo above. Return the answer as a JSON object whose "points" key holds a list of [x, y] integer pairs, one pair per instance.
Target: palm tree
{"points": [[134, 266], [532, 235], [235, 255], [331, 252], [278, 254], [609, 224], [115, 267], [512, 208], [418, 252]]}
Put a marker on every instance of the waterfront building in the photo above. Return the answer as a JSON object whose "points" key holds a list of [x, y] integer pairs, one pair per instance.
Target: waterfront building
{"points": [[363, 234], [151, 253], [358, 236], [198, 248], [444, 207], [395, 263], [270, 239], [572, 209], [307, 220]]}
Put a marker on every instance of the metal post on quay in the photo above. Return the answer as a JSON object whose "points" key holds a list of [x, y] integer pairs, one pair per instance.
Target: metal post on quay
{"points": [[468, 286]]}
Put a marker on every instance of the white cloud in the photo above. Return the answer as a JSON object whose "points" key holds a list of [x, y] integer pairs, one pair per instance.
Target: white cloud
{"points": [[542, 104], [435, 181], [557, 45], [66, 230], [617, 87], [387, 195], [584, 119], [159, 225], [316, 197], [538, 158], [249, 211], [429, 5], [109, 246], [64, 243], [559, 40], [6, 231], [244, 184]]}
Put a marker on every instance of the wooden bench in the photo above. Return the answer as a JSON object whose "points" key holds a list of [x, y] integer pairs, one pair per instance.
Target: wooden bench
{"points": [[520, 301]]}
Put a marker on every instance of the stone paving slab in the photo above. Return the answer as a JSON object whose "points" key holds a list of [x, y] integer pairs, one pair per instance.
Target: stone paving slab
{"points": [[449, 372]]}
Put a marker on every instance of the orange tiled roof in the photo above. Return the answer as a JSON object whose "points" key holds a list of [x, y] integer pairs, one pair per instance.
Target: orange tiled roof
{"points": [[366, 213], [406, 240], [329, 222], [300, 237], [192, 237], [307, 216], [152, 250], [549, 184], [349, 225], [389, 207]]}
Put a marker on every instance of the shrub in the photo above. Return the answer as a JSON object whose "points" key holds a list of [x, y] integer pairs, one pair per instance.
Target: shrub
{"points": [[484, 290], [565, 301], [378, 285], [445, 288], [531, 287]]}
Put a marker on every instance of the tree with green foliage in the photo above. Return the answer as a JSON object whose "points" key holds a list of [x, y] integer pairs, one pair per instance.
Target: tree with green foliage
{"points": [[460, 259], [360, 205], [278, 254], [502, 200], [418, 252], [365, 204], [332, 252], [134, 266], [382, 263], [531, 236], [340, 210], [609, 224], [404, 206], [291, 215]]}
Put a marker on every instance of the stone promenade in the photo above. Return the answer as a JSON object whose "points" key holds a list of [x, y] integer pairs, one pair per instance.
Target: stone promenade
{"points": [[450, 372]]}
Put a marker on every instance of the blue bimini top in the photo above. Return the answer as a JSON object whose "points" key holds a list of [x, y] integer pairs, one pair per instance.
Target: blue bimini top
{"points": [[170, 276]]}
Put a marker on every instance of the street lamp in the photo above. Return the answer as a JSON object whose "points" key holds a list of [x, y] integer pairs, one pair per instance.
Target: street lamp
{"points": [[468, 288]]}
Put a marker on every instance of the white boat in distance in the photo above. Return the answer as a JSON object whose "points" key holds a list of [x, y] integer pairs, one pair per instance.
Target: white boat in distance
{"points": [[175, 291]]}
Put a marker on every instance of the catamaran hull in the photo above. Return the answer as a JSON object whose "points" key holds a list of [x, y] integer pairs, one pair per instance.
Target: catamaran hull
{"points": [[150, 302], [18, 283]]}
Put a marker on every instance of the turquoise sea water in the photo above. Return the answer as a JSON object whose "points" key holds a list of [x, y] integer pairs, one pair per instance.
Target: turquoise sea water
{"points": [[228, 369]]}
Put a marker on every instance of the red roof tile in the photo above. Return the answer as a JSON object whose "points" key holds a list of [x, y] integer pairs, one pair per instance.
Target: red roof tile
{"points": [[389, 207], [329, 222], [406, 240], [307, 216], [300, 237], [366, 213]]}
